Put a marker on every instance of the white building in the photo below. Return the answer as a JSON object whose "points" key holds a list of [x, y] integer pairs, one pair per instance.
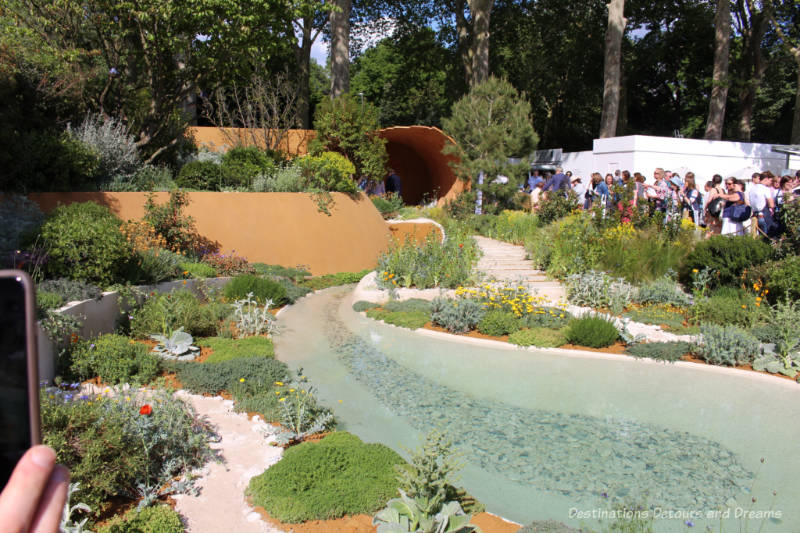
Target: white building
{"points": [[642, 153]]}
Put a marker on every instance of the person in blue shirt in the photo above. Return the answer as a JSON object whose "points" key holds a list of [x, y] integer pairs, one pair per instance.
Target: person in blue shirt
{"points": [[558, 182]]}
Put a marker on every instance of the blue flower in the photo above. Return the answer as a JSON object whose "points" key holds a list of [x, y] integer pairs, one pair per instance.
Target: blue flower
{"points": [[604, 494], [113, 71], [67, 397], [689, 523]]}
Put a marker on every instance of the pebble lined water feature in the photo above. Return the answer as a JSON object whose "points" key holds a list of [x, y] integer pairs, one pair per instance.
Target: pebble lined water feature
{"points": [[524, 444]]}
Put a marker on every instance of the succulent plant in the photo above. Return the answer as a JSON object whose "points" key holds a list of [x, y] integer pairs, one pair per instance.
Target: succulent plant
{"points": [[177, 346], [406, 515]]}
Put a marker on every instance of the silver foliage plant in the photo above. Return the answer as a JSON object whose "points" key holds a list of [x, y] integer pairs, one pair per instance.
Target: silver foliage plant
{"points": [[108, 137], [252, 319], [598, 289], [68, 524], [178, 346]]}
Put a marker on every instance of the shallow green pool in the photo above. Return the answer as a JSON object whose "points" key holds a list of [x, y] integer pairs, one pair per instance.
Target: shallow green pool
{"points": [[548, 435]]}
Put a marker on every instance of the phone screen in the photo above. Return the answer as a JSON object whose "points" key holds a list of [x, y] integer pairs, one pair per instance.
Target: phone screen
{"points": [[15, 428]]}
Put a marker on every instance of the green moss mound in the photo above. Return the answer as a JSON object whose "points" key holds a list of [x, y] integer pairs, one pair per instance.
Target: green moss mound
{"points": [[541, 337], [263, 289], [403, 319], [592, 331], [336, 476], [158, 519], [226, 349]]}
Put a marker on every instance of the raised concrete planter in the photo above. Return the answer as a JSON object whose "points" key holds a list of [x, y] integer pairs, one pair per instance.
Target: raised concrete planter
{"points": [[101, 316]]}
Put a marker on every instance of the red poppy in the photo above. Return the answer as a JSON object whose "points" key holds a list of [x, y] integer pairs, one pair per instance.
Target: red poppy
{"points": [[461, 245], [146, 410]]}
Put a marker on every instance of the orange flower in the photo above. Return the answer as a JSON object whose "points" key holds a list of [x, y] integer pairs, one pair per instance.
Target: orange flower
{"points": [[146, 410]]}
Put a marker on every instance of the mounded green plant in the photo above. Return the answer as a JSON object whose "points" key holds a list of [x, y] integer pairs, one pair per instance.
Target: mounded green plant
{"points": [[456, 315], [71, 290], [541, 337], [84, 242], [197, 270], [781, 278], [293, 292], [114, 359], [413, 304], [333, 280], [497, 323], [156, 265], [156, 519], [327, 479], [557, 206], [263, 289], [729, 305], [241, 164], [47, 300], [388, 205], [726, 345], [123, 444], [211, 378], [278, 271], [729, 256], [594, 331], [664, 290], [225, 349], [164, 313], [329, 171], [362, 305], [200, 175], [403, 319], [663, 351]]}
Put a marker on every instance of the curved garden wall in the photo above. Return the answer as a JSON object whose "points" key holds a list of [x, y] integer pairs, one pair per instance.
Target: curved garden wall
{"points": [[276, 228]]}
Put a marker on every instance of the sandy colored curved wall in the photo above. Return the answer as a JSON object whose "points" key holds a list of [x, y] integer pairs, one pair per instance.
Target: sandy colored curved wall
{"points": [[294, 142], [418, 231], [275, 228]]}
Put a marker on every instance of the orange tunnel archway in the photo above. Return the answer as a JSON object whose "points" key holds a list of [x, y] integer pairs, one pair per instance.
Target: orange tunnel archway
{"points": [[415, 154]]}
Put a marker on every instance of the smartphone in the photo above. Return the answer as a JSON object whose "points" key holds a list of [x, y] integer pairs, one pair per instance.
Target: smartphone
{"points": [[19, 377]]}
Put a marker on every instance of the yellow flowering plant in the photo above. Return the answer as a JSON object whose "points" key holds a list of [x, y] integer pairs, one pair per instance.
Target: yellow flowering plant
{"points": [[300, 414]]}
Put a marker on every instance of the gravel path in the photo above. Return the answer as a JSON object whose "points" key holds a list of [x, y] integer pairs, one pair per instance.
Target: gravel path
{"points": [[245, 452]]}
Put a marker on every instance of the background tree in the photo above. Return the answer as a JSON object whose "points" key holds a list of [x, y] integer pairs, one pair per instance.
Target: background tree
{"points": [[719, 88], [490, 125], [785, 20], [349, 127], [340, 47], [612, 68]]}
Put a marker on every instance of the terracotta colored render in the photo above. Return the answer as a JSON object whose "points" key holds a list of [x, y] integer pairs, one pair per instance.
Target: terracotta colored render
{"points": [[415, 153], [275, 228]]}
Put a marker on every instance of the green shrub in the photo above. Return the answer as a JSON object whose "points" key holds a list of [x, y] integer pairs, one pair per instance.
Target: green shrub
{"points": [[84, 242], [288, 178], [293, 292], [114, 359], [546, 317], [663, 351], [433, 264], [403, 319], [156, 265], [457, 316], [726, 345], [662, 291], [593, 331], [157, 519], [328, 171], [71, 290], [336, 476], [200, 175], [163, 313], [498, 323], [509, 226], [729, 256], [541, 337], [113, 450], [557, 206], [47, 300], [197, 270], [413, 304], [728, 305], [260, 402], [263, 289], [277, 271], [570, 245], [333, 280], [243, 163], [388, 205], [225, 349], [361, 305], [211, 378], [781, 278]]}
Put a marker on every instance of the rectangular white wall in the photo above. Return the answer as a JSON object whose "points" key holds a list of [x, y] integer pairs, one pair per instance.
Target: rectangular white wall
{"points": [[641, 153]]}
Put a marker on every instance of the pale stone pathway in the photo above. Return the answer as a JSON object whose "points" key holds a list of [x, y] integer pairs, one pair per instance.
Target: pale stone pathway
{"points": [[502, 261], [245, 452]]}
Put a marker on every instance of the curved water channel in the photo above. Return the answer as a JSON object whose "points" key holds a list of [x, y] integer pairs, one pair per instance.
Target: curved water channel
{"points": [[547, 435]]}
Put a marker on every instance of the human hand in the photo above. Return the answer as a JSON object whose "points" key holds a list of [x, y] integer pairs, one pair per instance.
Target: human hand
{"points": [[34, 497]]}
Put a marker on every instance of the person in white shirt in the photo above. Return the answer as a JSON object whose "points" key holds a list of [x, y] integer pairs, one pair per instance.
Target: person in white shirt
{"points": [[762, 203]]}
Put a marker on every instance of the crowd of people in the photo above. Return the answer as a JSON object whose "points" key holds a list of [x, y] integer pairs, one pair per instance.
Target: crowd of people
{"points": [[723, 206]]}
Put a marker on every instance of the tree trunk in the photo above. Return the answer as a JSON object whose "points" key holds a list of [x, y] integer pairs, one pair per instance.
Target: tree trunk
{"points": [[796, 117], [481, 12], [464, 41], [303, 55], [719, 87], [612, 69], [756, 66], [340, 47]]}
